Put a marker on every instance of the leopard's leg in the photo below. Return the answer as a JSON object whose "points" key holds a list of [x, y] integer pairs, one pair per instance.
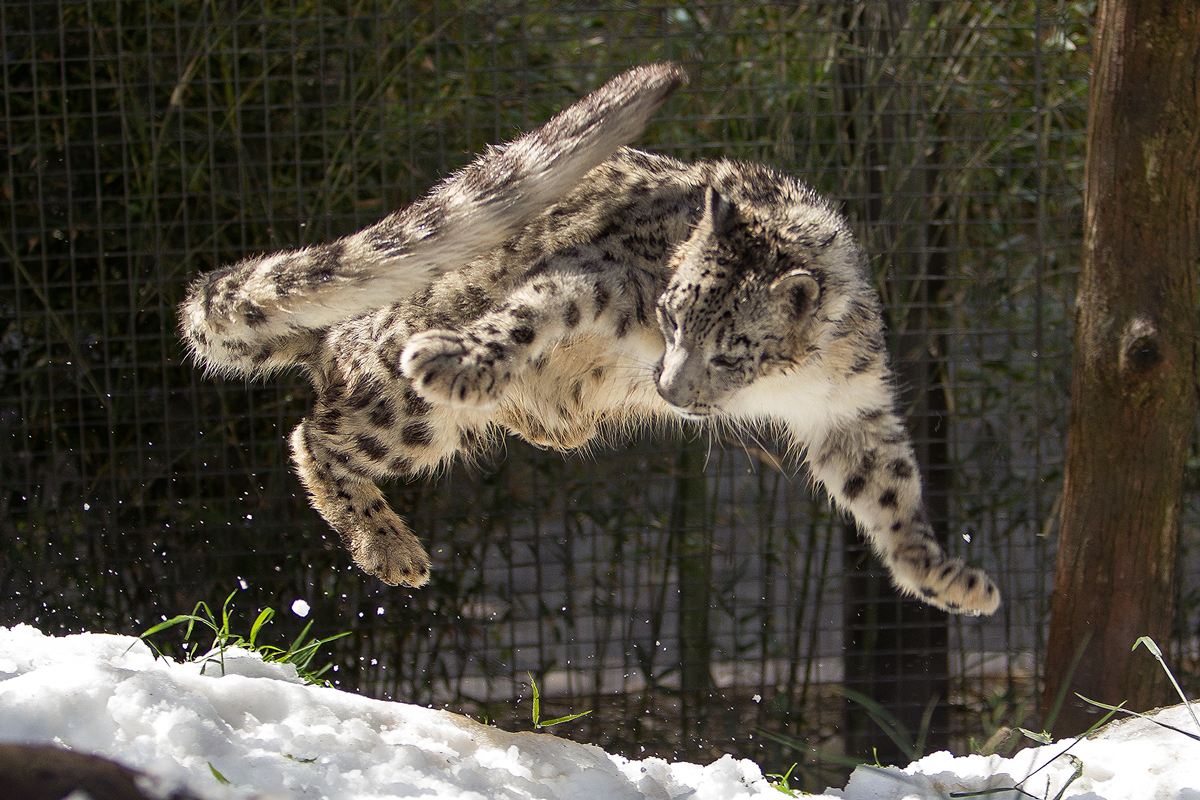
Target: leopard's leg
{"points": [[380, 543], [368, 432], [869, 468]]}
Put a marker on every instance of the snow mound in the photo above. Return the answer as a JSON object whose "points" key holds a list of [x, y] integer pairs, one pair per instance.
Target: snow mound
{"points": [[270, 735], [259, 732], [1133, 759]]}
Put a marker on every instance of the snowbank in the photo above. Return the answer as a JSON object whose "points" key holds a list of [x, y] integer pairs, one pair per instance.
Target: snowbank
{"points": [[268, 735], [266, 732]]}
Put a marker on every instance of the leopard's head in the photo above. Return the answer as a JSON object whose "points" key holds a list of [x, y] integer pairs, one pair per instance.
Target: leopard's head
{"points": [[747, 298]]}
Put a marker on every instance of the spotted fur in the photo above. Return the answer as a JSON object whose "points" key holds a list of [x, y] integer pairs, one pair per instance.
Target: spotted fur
{"points": [[563, 287]]}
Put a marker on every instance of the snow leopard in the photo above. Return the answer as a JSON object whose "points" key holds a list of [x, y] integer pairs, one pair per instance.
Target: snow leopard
{"points": [[565, 288]]}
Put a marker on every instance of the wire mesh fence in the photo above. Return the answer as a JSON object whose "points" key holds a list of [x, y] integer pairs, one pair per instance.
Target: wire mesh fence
{"points": [[690, 591]]}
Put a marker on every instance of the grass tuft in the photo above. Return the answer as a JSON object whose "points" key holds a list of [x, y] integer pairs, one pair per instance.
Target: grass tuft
{"points": [[299, 654]]}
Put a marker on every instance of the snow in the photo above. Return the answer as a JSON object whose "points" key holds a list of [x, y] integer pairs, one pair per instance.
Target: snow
{"points": [[271, 736]]}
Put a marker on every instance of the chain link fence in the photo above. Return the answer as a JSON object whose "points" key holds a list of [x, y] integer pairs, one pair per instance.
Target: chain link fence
{"points": [[690, 592]]}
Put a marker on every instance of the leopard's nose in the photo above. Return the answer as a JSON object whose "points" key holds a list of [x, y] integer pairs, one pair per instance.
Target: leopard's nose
{"points": [[675, 384]]}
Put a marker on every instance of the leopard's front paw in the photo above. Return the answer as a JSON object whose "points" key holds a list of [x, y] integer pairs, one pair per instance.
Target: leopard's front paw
{"points": [[447, 369], [921, 569], [962, 589], [393, 555]]}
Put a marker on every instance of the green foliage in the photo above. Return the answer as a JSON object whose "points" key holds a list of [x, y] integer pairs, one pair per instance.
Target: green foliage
{"points": [[780, 782], [1152, 646], [221, 779], [911, 744], [538, 722], [300, 653], [1043, 738], [1001, 717]]}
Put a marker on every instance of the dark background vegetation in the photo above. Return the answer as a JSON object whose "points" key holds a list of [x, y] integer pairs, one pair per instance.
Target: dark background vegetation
{"points": [[691, 592]]}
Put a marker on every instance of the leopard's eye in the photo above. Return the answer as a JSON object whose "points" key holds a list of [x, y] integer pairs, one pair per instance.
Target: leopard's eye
{"points": [[722, 361]]}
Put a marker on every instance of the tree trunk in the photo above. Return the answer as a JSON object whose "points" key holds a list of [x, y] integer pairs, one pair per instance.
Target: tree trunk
{"points": [[1133, 393]]}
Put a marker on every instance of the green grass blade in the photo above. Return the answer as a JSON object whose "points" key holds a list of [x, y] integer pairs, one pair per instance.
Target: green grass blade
{"points": [[1052, 717], [996, 790], [1098, 704], [166, 623], [1001, 789], [537, 703], [225, 613], [221, 779], [263, 618], [538, 724], [559, 720], [892, 727], [803, 747], [1153, 648]]}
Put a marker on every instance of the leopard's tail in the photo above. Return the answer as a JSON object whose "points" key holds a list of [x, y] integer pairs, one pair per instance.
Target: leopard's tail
{"points": [[268, 312]]}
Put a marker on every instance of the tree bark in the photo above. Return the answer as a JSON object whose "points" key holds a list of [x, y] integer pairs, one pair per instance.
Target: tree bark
{"points": [[1133, 392]]}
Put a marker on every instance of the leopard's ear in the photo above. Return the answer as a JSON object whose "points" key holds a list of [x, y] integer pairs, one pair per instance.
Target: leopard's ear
{"points": [[718, 212], [802, 290]]}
